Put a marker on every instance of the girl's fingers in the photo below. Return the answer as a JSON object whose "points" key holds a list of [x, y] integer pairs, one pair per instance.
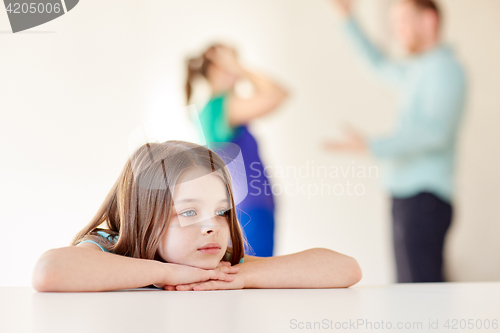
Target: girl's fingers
{"points": [[228, 269], [211, 285], [202, 286], [228, 278], [218, 275], [185, 287]]}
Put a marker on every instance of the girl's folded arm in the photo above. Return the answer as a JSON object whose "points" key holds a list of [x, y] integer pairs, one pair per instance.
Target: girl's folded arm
{"points": [[313, 268], [86, 268], [252, 258]]}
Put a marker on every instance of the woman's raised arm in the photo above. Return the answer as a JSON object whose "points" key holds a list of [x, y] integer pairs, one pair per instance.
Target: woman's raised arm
{"points": [[268, 96]]}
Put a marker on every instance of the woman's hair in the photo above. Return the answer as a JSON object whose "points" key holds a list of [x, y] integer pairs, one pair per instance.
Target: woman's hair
{"points": [[138, 207], [196, 67]]}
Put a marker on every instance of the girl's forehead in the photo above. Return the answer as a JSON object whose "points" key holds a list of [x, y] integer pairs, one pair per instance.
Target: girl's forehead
{"points": [[198, 183], [197, 172]]}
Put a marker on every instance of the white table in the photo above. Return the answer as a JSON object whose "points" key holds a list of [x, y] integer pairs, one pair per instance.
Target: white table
{"points": [[274, 310]]}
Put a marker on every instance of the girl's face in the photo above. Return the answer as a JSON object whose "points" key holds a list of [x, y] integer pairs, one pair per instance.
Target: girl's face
{"points": [[197, 221]]}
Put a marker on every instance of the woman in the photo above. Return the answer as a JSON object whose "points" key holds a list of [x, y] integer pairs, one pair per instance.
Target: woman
{"points": [[224, 119]]}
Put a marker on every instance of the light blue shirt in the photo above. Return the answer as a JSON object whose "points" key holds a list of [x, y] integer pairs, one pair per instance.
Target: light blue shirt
{"points": [[420, 154], [106, 235]]}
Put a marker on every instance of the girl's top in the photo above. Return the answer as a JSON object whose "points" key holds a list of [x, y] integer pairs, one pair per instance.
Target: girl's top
{"points": [[216, 128], [113, 240]]}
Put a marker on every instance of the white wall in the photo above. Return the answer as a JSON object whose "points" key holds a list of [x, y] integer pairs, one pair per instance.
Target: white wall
{"points": [[72, 91]]}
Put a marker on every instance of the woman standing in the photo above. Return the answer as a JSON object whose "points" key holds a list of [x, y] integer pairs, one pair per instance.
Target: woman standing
{"points": [[224, 119]]}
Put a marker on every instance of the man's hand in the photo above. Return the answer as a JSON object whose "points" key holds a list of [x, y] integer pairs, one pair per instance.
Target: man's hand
{"points": [[355, 142], [344, 7]]}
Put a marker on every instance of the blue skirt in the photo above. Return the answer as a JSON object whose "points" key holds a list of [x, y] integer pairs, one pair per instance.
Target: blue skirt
{"points": [[256, 212]]}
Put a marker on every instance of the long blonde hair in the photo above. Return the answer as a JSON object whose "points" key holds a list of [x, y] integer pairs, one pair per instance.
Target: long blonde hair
{"points": [[138, 207]]}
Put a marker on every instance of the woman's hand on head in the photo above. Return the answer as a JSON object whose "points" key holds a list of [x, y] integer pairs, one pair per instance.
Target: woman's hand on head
{"points": [[182, 274], [225, 58], [236, 283]]}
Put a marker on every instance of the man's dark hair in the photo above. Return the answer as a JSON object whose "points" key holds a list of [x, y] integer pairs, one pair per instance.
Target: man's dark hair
{"points": [[427, 4]]}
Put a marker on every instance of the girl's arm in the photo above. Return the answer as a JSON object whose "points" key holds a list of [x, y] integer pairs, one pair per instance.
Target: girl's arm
{"points": [[86, 268], [252, 258], [314, 268]]}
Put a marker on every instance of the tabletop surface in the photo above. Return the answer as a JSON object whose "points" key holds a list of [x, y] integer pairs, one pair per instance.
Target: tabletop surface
{"points": [[423, 307]]}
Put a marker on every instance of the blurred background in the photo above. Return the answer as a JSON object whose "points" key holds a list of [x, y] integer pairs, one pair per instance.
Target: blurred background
{"points": [[74, 89]]}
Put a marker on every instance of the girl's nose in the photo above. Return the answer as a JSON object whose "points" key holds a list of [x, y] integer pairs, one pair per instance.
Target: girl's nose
{"points": [[210, 226]]}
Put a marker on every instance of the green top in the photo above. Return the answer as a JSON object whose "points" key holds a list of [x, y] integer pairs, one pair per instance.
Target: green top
{"points": [[214, 121]]}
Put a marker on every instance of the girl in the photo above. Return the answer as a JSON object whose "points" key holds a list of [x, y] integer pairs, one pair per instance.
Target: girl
{"points": [[224, 119], [169, 221]]}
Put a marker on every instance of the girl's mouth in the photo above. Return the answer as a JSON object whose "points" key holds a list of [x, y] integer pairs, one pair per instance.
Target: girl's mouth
{"points": [[210, 250]]}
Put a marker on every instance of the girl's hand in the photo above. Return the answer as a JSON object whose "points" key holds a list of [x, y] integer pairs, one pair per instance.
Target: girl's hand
{"points": [[237, 283], [182, 274]]}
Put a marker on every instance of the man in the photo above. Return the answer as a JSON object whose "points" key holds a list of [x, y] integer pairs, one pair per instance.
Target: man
{"points": [[420, 153]]}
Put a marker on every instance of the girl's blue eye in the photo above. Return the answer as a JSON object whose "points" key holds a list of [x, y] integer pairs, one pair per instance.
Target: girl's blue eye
{"points": [[188, 213], [221, 212]]}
